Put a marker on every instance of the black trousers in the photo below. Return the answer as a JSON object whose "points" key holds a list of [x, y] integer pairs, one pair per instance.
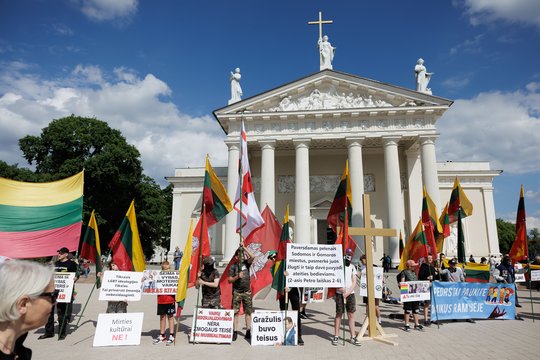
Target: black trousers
{"points": [[294, 299], [64, 316]]}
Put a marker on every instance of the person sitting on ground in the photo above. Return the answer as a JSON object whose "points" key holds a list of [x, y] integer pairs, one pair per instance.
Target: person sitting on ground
{"points": [[28, 297], [410, 307]]}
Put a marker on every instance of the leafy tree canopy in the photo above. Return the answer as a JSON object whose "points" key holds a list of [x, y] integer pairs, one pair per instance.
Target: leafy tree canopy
{"points": [[507, 233]]}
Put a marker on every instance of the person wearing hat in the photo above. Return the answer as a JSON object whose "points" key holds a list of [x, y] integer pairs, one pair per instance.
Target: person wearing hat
{"points": [[453, 273], [345, 300], [410, 307], [62, 264], [240, 278], [209, 279]]}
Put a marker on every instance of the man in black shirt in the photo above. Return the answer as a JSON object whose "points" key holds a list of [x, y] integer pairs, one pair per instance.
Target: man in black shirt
{"points": [[63, 264], [428, 272], [240, 278]]}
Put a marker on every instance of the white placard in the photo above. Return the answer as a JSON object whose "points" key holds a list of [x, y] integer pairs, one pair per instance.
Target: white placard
{"points": [[63, 281], [377, 280], [415, 291], [160, 282], [313, 295], [121, 286], [535, 275], [213, 325], [314, 265], [118, 329], [268, 327], [519, 272]]}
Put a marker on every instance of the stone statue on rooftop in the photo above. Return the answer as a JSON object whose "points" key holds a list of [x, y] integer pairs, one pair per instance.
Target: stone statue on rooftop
{"points": [[327, 53], [422, 77], [236, 90]]}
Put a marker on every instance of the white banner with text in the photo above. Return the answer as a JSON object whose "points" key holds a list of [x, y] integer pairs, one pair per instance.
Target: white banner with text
{"points": [[314, 265]]}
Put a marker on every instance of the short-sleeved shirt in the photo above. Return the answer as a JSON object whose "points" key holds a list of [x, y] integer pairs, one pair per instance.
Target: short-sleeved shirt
{"points": [[350, 271], [409, 275], [166, 299], [207, 291], [65, 266], [242, 284]]}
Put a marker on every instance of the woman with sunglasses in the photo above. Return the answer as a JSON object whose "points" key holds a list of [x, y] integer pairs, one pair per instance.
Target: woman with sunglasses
{"points": [[28, 296]]}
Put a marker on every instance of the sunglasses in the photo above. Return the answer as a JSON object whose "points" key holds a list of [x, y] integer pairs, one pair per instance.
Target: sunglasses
{"points": [[53, 295]]}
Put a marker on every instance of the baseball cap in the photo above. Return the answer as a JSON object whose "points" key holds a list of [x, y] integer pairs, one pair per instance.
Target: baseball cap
{"points": [[411, 263], [271, 253], [63, 250], [208, 260], [453, 262]]}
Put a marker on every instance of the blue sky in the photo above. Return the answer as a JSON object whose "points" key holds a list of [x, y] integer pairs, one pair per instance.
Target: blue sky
{"points": [[156, 70]]}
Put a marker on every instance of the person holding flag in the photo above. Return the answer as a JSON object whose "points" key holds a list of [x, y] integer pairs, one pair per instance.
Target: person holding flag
{"points": [[209, 280], [240, 278]]}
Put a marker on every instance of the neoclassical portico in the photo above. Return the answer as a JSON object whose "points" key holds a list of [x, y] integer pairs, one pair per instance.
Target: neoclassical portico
{"points": [[300, 135]]}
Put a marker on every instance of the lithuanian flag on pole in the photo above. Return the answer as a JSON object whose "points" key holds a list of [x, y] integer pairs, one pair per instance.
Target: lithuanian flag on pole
{"points": [[183, 278], [90, 248], [126, 246], [36, 219]]}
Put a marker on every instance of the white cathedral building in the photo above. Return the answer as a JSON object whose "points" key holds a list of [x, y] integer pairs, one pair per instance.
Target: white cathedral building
{"points": [[299, 137]]}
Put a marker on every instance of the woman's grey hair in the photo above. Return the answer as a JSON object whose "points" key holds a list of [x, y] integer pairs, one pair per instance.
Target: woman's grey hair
{"points": [[20, 278]]}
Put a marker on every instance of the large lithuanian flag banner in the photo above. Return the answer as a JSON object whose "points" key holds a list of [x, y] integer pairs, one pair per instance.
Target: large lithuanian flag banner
{"points": [[36, 219]]}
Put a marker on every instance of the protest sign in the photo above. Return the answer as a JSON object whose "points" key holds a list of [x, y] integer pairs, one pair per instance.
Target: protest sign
{"points": [[269, 327], [63, 281], [313, 295], [535, 275], [118, 329], [121, 286], [213, 326], [377, 280], [414, 291], [314, 265], [472, 301], [519, 272], [159, 282]]}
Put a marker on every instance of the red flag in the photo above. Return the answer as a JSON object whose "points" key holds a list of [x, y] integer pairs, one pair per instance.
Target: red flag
{"points": [[520, 250], [347, 242], [259, 243], [200, 241]]}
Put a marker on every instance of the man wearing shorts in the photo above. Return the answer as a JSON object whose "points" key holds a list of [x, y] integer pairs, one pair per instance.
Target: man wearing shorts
{"points": [[410, 307], [240, 279], [345, 300]]}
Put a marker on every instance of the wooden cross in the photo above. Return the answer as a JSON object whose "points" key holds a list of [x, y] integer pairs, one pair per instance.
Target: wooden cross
{"points": [[371, 322], [320, 22]]}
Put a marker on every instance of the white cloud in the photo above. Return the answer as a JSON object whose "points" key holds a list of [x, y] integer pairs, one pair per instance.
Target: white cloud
{"points": [[62, 29], [498, 127], [456, 82], [533, 195], [469, 45], [487, 11], [104, 10], [138, 107]]}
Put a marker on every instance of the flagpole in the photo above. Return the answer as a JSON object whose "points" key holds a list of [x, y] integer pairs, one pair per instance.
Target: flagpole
{"points": [[530, 285], [431, 293], [199, 289], [91, 291], [344, 241]]}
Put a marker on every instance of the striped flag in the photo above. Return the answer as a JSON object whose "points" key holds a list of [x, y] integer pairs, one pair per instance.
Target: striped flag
{"points": [[183, 277], [415, 247], [445, 223], [342, 201], [278, 277], [475, 272], [125, 245], [520, 250], [90, 249], [36, 219], [432, 226], [458, 203]]}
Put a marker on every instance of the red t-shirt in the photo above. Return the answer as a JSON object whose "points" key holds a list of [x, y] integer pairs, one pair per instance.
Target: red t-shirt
{"points": [[166, 299]]}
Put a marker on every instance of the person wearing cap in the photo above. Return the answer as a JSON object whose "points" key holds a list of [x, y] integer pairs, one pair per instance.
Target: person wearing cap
{"points": [[453, 273], [410, 307], [345, 300], [209, 280], [240, 278], [63, 310]]}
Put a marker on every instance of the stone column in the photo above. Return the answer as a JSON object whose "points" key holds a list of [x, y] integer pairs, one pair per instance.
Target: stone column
{"points": [[356, 170], [231, 237], [302, 228], [268, 175], [415, 194], [429, 168], [393, 193], [491, 223]]}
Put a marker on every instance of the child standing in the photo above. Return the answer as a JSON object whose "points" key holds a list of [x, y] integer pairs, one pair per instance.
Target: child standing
{"points": [[165, 310], [114, 306]]}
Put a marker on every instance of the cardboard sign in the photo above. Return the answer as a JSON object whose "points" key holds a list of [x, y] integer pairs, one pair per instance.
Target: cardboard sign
{"points": [[213, 326], [160, 282], [535, 275], [63, 281], [314, 265], [414, 291], [313, 295], [121, 286], [473, 301], [270, 328], [377, 280], [118, 329], [519, 272]]}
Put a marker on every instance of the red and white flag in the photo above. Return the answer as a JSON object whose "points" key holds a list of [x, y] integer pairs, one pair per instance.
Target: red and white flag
{"points": [[249, 217]]}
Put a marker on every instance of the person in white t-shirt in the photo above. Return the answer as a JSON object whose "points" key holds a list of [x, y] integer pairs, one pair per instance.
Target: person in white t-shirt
{"points": [[346, 293]]}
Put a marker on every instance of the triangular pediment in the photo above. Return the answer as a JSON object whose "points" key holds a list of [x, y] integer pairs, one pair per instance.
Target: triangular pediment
{"points": [[332, 90]]}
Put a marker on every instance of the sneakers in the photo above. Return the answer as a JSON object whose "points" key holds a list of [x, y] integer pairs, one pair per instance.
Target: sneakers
{"points": [[427, 323], [248, 335], [159, 339], [407, 328], [300, 342], [45, 336], [170, 340], [355, 341], [234, 336], [418, 327], [335, 340]]}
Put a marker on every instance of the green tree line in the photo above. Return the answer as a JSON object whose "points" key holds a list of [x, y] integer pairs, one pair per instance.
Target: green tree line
{"points": [[507, 234]]}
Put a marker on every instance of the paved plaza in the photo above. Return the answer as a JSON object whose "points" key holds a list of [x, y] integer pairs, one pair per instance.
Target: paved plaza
{"points": [[457, 340]]}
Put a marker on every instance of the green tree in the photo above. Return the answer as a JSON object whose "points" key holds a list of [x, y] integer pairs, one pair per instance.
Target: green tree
{"points": [[507, 233], [534, 243], [113, 175]]}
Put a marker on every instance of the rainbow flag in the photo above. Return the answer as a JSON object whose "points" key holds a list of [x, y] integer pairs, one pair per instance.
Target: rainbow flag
{"points": [[403, 288], [36, 219]]}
